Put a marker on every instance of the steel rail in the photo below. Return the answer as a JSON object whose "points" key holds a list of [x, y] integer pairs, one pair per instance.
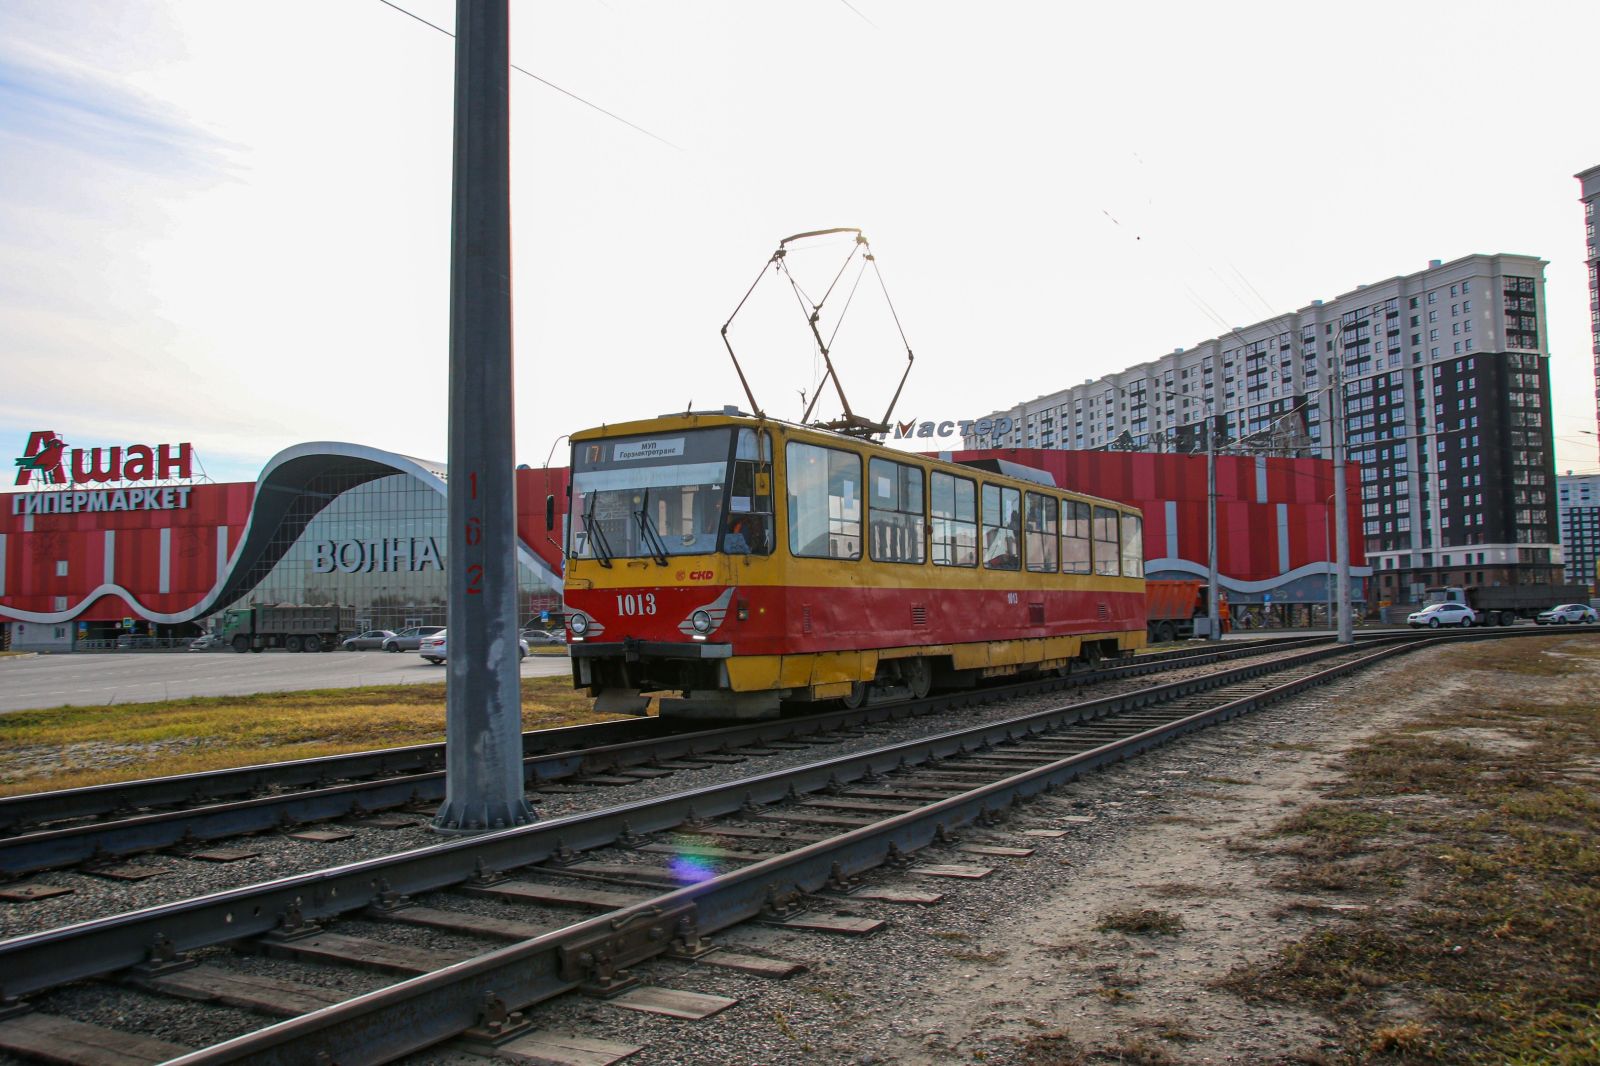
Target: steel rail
{"points": [[213, 786], [36, 961], [419, 1013], [55, 848], [209, 786]]}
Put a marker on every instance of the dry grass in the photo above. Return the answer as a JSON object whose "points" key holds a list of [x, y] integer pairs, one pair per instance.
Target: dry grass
{"points": [[69, 747], [1489, 854], [1053, 1048], [1141, 921]]}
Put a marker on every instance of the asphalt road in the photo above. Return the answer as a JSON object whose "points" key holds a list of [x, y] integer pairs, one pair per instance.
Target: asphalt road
{"points": [[90, 679]]}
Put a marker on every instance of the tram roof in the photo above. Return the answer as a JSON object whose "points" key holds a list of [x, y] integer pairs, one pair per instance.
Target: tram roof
{"points": [[732, 416]]}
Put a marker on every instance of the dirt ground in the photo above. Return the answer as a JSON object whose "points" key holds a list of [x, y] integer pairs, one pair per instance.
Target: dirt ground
{"points": [[1079, 979]]}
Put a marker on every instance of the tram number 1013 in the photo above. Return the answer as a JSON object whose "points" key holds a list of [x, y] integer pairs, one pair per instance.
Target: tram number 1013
{"points": [[643, 603]]}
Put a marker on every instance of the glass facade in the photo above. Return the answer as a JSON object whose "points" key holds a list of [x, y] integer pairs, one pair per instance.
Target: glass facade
{"points": [[379, 546]]}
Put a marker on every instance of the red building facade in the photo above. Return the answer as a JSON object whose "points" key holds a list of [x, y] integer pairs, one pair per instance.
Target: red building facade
{"points": [[334, 522]]}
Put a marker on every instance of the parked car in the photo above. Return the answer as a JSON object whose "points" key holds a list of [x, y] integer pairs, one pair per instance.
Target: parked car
{"points": [[535, 637], [371, 640], [209, 642], [1567, 613], [410, 638], [1442, 614], [434, 648]]}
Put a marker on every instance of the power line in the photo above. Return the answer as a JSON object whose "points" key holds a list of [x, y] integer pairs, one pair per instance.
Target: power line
{"points": [[858, 14], [540, 80]]}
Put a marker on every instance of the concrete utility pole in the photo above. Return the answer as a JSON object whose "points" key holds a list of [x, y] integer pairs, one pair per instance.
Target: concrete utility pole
{"points": [[1213, 610], [1340, 507], [483, 726]]}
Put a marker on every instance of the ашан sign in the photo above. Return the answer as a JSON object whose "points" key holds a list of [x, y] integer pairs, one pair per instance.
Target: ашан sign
{"points": [[48, 458]]}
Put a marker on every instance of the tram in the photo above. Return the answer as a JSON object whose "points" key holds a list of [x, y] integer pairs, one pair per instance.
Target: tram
{"points": [[729, 564]]}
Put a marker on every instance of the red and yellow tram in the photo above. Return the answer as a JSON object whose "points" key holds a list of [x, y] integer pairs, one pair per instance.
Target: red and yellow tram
{"points": [[731, 563]]}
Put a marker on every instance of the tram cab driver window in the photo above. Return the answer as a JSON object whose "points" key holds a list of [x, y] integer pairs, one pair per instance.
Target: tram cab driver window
{"points": [[747, 534]]}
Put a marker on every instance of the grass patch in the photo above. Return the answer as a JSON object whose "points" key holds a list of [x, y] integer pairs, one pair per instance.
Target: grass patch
{"points": [[1054, 1048], [1342, 823], [1137, 1050], [1488, 955], [70, 747], [1141, 921]]}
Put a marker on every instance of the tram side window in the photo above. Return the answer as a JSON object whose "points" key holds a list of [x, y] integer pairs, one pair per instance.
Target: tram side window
{"points": [[824, 502], [1002, 528], [896, 530], [1075, 538], [955, 520], [1132, 545], [748, 529], [1105, 542], [1039, 532]]}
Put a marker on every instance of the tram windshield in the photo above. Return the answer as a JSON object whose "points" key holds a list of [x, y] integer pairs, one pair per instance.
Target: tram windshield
{"points": [[659, 496]]}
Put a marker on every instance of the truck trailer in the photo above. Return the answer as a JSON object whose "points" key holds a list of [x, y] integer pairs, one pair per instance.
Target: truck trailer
{"points": [[1504, 604], [291, 628]]}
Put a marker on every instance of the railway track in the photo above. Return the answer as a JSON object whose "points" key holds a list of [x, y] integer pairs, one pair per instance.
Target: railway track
{"points": [[104, 824], [594, 893]]}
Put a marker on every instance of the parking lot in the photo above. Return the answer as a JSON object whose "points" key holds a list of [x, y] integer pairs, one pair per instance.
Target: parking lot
{"points": [[84, 679]]}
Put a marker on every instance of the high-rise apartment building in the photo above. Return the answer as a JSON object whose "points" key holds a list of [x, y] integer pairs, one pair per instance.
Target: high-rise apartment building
{"points": [[1590, 181], [1447, 412], [1578, 501]]}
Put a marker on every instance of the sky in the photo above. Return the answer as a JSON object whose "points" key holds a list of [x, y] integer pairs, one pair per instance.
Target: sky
{"points": [[227, 222]]}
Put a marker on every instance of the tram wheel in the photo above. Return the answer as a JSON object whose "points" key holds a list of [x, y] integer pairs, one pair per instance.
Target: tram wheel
{"points": [[919, 676], [857, 697]]}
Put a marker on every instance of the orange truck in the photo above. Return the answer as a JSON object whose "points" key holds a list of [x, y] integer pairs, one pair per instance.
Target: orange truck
{"points": [[1173, 608]]}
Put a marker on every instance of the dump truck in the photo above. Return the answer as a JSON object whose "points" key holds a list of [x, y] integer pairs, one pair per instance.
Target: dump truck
{"points": [[291, 628], [1503, 604], [1177, 610]]}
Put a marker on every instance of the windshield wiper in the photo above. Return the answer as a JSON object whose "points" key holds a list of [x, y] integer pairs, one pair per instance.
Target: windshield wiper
{"points": [[648, 532], [597, 536]]}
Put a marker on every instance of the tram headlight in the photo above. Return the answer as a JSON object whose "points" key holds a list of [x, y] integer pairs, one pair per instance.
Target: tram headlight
{"points": [[579, 623], [701, 622]]}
